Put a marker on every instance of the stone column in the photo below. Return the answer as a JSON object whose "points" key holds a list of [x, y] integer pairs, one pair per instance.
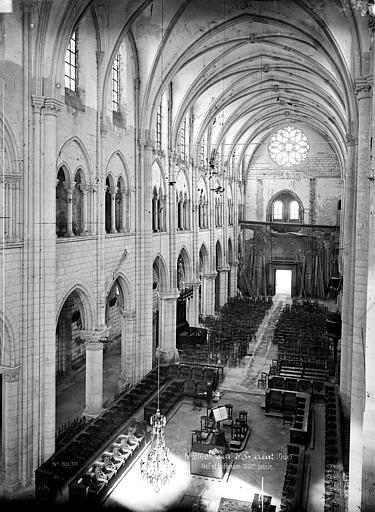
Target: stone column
{"points": [[368, 472], [223, 284], [113, 192], [167, 350], [128, 354], [94, 370], [358, 390], [84, 209], [45, 355], [69, 221], [172, 221], [144, 259], [347, 245], [92, 196], [233, 279], [124, 201], [10, 459], [209, 294], [368, 469], [192, 309]]}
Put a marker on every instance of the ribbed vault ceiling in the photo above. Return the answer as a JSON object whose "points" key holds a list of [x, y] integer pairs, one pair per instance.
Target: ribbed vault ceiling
{"points": [[249, 67]]}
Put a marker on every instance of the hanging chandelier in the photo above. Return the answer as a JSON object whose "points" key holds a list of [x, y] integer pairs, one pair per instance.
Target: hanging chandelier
{"points": [[157, 468]]}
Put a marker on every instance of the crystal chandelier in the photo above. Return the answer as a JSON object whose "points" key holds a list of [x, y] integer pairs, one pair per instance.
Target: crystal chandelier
{"points": [[157, 468]]}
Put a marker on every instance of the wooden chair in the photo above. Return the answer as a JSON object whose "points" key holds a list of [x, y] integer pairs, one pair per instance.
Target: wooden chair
{"points": [[123, 455], [262, 382], [125, 446], [196, 436], [112, 462], [102, 472]]}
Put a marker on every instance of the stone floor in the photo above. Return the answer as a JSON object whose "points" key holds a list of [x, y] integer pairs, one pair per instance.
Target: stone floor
{"points": [[263, 457], [261, 462]]}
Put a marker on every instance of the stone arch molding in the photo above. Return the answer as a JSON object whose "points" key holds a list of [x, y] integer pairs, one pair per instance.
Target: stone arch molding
{"points": [[88, 304], [162, 268], [280, 194], [73, 155], [203, 251], [187, 263], [9, 336], [126, 288], [158, 175], [117, 167]]}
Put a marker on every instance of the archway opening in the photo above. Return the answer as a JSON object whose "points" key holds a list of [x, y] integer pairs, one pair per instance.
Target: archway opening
{"points": [[283, 282], [112, 348], [70, 361]]}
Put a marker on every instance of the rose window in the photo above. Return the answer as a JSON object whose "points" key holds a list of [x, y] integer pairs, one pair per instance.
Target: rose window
{"points": [[288, 146]]}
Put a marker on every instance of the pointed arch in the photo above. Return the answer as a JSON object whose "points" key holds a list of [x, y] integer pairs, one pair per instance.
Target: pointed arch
{"points": [[73, 150], [188, 271], [87, 302], [161, 273], [116, 170], [203, 259]]}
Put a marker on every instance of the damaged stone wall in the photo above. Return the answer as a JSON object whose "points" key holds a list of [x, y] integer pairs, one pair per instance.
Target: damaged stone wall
{"points": [[310, 254]]}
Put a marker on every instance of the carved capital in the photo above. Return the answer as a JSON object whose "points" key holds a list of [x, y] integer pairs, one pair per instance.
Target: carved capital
{"points": [[146, 144], [10, 373], [94, 345], [172, 158], [11, 377], [70, 187], [193, 284], [37, 103], [226, 268], [362, 88], [52, 106], [94, 339], [128, 314], [210, 276], [351, 138], [170, 295]]}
